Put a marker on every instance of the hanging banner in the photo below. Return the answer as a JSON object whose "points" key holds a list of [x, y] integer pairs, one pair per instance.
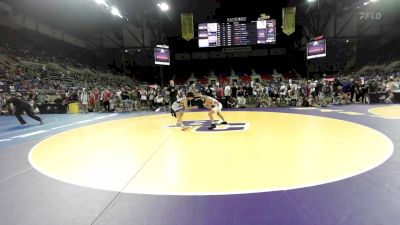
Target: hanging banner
{"points": [[187, 26], [289, 20], [264, 16]]}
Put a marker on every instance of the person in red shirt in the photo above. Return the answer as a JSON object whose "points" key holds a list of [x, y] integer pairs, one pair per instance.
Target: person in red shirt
{"points": [[220, 92], [97, 100], [308, 89], [91, 101]]}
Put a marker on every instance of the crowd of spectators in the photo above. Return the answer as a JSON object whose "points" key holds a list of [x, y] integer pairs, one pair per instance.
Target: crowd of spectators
{"points": [[336, 90], [274, 93], [44, 78]]}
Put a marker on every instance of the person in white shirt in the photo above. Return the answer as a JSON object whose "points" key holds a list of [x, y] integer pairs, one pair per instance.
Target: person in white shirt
{"points": [[119, 94], [227, 91], [158, 100], [241, 101], [391, 87], [84, 100], [151, 94], [143, 98]]}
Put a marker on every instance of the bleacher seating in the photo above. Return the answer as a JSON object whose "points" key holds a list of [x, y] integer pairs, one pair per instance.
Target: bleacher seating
{"points": [[223, 80], [266, 77]]}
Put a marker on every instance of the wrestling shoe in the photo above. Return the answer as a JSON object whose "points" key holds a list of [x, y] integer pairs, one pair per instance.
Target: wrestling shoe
{"points": [[212, 126], [184, 128]]}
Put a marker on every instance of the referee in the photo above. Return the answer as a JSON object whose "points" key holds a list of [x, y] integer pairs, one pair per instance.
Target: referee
{"points": [[172, 91], [20, 106]]}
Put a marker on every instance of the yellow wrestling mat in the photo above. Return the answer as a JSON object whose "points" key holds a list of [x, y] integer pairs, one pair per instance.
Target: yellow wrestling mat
{"points": [[272, 151], [388, 112]]}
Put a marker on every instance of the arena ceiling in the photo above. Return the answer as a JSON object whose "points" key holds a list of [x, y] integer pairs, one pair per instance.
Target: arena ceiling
{"points": [[85, 18]]}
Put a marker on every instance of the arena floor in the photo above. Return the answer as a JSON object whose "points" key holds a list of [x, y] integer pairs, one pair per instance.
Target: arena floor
{"points": [[278, 166]]}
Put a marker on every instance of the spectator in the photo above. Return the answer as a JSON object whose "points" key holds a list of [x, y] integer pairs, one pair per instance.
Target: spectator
{"points": [[241, 101], [234, 90], [227, 91], [143, 98], [220, 92], [91, 101], [97, 105], [106, 100], [159, 100], [152, 95], [208, 91], [232, 103], [84, 100]]}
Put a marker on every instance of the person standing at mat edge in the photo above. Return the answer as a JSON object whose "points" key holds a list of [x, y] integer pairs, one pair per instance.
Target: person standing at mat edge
{"points": [[20, 106], [172, 91]]}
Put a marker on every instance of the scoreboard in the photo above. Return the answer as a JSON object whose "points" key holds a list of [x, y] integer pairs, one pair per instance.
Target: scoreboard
{"points": [[162, 55], [316, 49], [237, 33]]}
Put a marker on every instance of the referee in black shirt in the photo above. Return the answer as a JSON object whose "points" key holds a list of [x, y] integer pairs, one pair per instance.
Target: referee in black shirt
{"points": [[172, 91], [20, 106]]}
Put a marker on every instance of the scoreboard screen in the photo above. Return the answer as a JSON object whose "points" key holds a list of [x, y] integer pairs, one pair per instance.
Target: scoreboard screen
{"points": [[316, 49], [161, 55], [237, 33]]}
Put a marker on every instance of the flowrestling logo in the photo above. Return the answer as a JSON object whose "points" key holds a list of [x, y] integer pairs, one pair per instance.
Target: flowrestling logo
{"points": [[203, 125], [370, 15]]}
